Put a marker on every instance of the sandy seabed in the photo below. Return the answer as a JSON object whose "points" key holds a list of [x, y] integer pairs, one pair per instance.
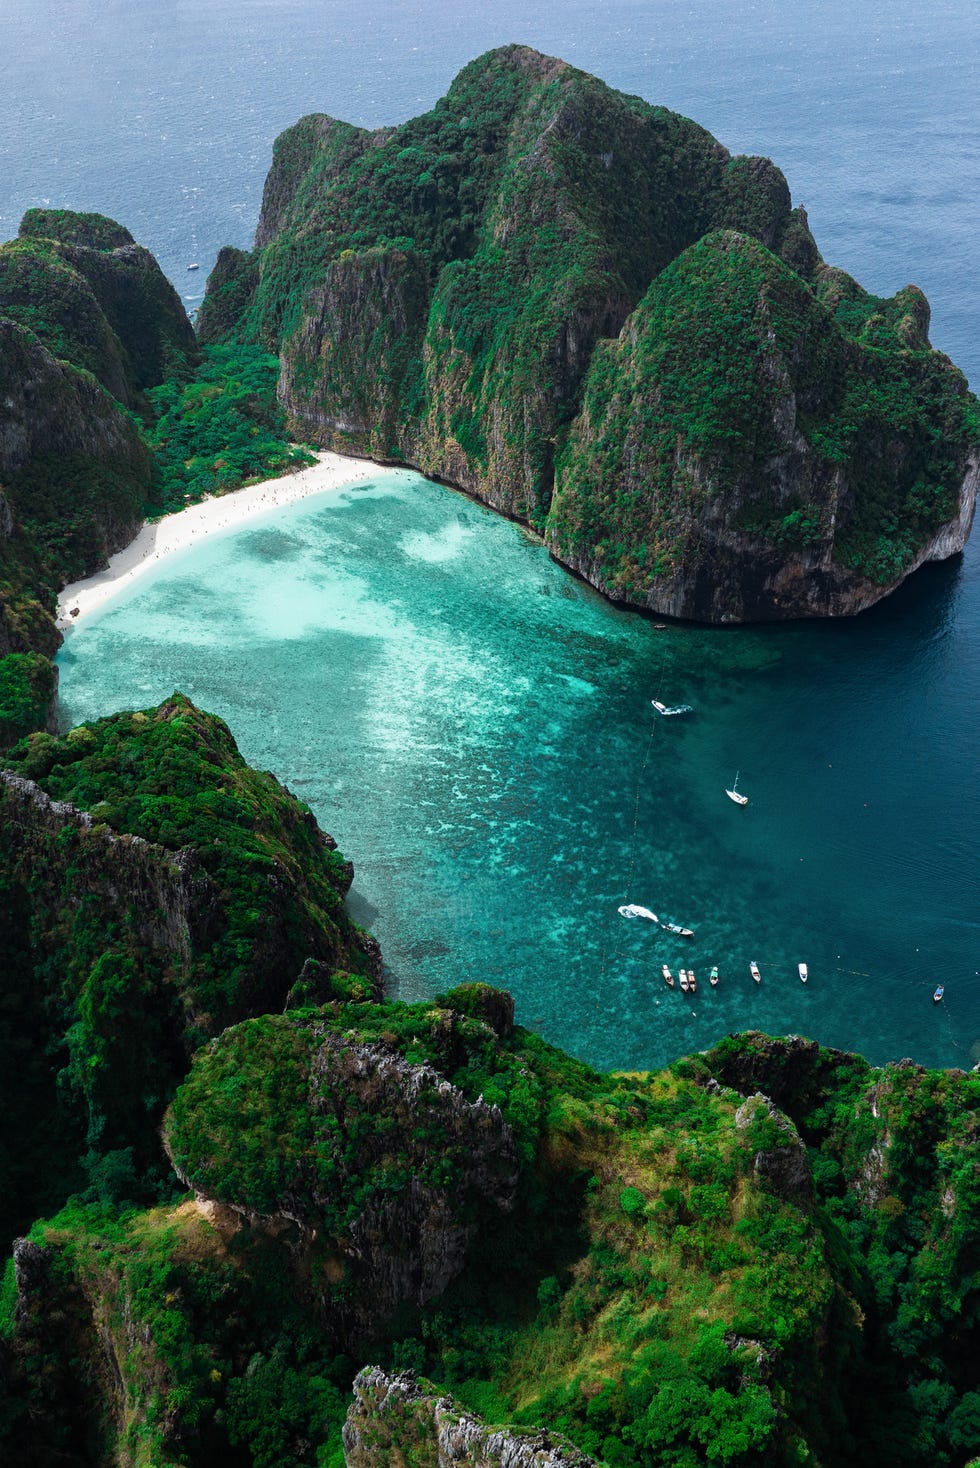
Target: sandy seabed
{"points": [[187, 527]]}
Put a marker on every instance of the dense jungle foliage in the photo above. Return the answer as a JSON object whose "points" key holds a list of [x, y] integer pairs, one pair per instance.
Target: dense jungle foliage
{"points": [[112, 413], [191, 894], [448, 293], [686, 1276]]}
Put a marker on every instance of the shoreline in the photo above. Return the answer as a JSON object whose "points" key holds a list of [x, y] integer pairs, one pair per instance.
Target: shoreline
{"points": [[182, 528]]}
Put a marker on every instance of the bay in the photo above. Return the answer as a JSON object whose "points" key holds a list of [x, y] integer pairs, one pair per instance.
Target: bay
{"points": [[474, 726], [481, 745]]}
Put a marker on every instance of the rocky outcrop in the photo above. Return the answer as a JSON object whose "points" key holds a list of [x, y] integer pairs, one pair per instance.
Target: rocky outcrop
{"points": [[739, 458], [64, 438], [585, 312], [133, 319], [144, 945], [783, 1167], [383, 1163], [396, 1419]]}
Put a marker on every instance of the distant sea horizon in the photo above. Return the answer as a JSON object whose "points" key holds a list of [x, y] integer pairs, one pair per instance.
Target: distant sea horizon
{"points": [[857, 741]]}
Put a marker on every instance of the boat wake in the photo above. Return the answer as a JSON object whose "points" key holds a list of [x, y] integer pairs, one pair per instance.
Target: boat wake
{"points": [[632, 910]]}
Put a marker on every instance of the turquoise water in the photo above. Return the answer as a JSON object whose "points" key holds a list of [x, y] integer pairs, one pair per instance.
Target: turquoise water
{"points": [[471, 724], [474, 726]]}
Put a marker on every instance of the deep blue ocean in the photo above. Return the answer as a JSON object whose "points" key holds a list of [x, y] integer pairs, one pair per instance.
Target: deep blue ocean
{"points": [[472, 724]]}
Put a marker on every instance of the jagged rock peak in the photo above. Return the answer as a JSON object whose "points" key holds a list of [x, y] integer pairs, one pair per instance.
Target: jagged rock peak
{"points": [[399, 1418]]}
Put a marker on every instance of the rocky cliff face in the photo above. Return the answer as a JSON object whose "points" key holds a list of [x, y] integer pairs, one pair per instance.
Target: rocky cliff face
{"points": [[511, 293], [152, 920], [88, 321], [739, 457], [383, 1169], [399, 1419]]}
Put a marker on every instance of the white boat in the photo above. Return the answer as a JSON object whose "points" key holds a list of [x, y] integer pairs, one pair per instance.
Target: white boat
{"points": [[195, 266], [734, 795], [713, 976], [680, 708], [754, 971], [684, 981], [937, 997], [804, 971], [668, 976], [633, 910], [679, 929]]}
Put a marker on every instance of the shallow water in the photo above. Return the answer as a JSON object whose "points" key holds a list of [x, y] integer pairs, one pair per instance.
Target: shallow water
{"points": [[474, 726]]}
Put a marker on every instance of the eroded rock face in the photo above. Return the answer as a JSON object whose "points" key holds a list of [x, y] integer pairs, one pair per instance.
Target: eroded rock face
{"points": [[783, 1167], [383, 1163], [733, 461], [398, 1419], [585, 312]]}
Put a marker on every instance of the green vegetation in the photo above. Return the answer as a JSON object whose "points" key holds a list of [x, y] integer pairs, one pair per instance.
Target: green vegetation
{"points": [[681, 1276], [110, 413], [446, 293], [190, 895], [687, 411], [26, 689], [436, 290], [221, 430]]}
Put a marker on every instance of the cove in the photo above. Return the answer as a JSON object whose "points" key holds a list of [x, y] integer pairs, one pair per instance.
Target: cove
{"points": [[474, 727]]}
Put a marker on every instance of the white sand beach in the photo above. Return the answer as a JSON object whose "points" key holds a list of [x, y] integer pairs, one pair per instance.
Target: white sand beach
{"points": [[188, 527]]}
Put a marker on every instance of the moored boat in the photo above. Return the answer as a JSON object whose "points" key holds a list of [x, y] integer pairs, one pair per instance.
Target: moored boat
{"points": [[678, 929], [734, 795], [754, 971], [938, 994], [713, 976], [679, 708], [668, 976], [684, 981], [692, 981], [804, 971]]}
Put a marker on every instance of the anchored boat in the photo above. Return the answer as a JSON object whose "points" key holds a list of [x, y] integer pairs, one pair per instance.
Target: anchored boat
{"points": [[754, 971], [713, 977], [804, 971], [938, 994], [692, 981], [680, 708], [685, 981], [733, 793], [668, 976], [676, 928]]}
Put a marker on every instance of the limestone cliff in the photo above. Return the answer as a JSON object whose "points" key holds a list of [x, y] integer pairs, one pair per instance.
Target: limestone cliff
{"points": [[156, 890], [740, 457], [584, 311], [383, 1167], [398, 1418]]}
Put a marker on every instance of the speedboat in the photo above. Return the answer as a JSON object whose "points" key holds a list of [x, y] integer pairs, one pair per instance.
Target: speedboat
{"points": [[754, 971], [668, 976], [633, 910], [713, 976], [680, 708], [938, 994], [804, 971]]}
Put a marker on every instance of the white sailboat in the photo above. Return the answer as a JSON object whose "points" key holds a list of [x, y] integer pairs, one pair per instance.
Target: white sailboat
{"points": [[734, 795]]}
